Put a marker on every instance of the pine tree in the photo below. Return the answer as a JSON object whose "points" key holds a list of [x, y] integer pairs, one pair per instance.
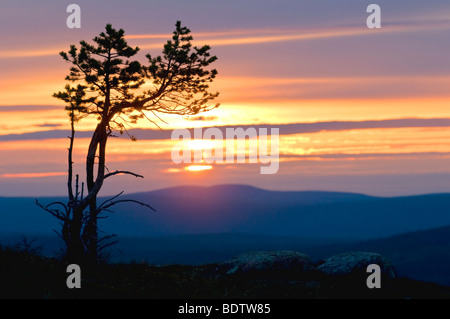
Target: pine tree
{"points": [[109, 87]]}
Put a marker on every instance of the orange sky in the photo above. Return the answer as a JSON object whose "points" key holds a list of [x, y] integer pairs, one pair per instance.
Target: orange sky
{"points": [[279, 72]]}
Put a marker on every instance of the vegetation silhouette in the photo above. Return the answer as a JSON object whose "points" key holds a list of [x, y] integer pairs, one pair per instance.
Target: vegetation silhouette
{"points": [[106, 84], [24, 275]]}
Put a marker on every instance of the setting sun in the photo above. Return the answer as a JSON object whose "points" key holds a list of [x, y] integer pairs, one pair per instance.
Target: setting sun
{"points": [[196, 168]]}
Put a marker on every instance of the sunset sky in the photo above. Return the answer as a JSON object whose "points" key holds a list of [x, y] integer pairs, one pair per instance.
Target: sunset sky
{"points": [[359, 110]]}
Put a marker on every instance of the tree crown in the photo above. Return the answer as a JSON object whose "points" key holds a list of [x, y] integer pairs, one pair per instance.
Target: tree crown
{"points": [[110, 83]]}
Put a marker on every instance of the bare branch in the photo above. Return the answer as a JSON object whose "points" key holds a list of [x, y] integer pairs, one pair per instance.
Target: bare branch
{"points": [[102, 247], [59, 235], [58, 203], [56, 213], [106, 237], [110, 202], [122, 172], [111, 199], [151, 121], [113, 203]]}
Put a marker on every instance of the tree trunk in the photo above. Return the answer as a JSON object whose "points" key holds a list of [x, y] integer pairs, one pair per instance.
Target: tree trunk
{"points": [[74, 242], [98, 142], [90, 233]]}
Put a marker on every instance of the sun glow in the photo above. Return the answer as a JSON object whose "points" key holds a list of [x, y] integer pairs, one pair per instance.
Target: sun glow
{"points": [[197, 168], [196, 145]]}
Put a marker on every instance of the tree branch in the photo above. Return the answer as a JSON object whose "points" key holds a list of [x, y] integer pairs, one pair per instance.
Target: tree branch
{"points": [[56, 213], [113, 203], [122, 172]]}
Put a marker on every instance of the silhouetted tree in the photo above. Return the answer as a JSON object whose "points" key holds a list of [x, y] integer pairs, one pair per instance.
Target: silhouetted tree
{"points": [[109, 88]]}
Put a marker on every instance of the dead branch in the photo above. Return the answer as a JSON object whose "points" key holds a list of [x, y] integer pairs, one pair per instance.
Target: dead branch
{"points": [[122, 172], [113, 203], [55, 212]]}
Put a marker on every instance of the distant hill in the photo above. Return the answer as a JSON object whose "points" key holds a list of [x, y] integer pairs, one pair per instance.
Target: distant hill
{"points": [[245, 209], [423, 255]]}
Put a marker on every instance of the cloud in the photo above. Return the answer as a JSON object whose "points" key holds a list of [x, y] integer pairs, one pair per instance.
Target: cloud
{"points": [[265, 36], [353, 125], [248, 88], [256, 36], [43, 135], [236, 32], [364, 155], [32, 175], [48, 125], [29, 53], [285, 129], [34, 108], [203, 118], [298, 128]]}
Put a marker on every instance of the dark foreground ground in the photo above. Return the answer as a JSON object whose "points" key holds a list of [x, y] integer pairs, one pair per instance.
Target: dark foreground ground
{"points": [[24, 274]]}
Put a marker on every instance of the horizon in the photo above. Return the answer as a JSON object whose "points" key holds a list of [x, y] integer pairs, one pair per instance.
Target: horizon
{"points": [[237, 186]]}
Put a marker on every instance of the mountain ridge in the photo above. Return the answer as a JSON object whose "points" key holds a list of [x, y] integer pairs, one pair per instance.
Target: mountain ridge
{"points": [[247, 209]]}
